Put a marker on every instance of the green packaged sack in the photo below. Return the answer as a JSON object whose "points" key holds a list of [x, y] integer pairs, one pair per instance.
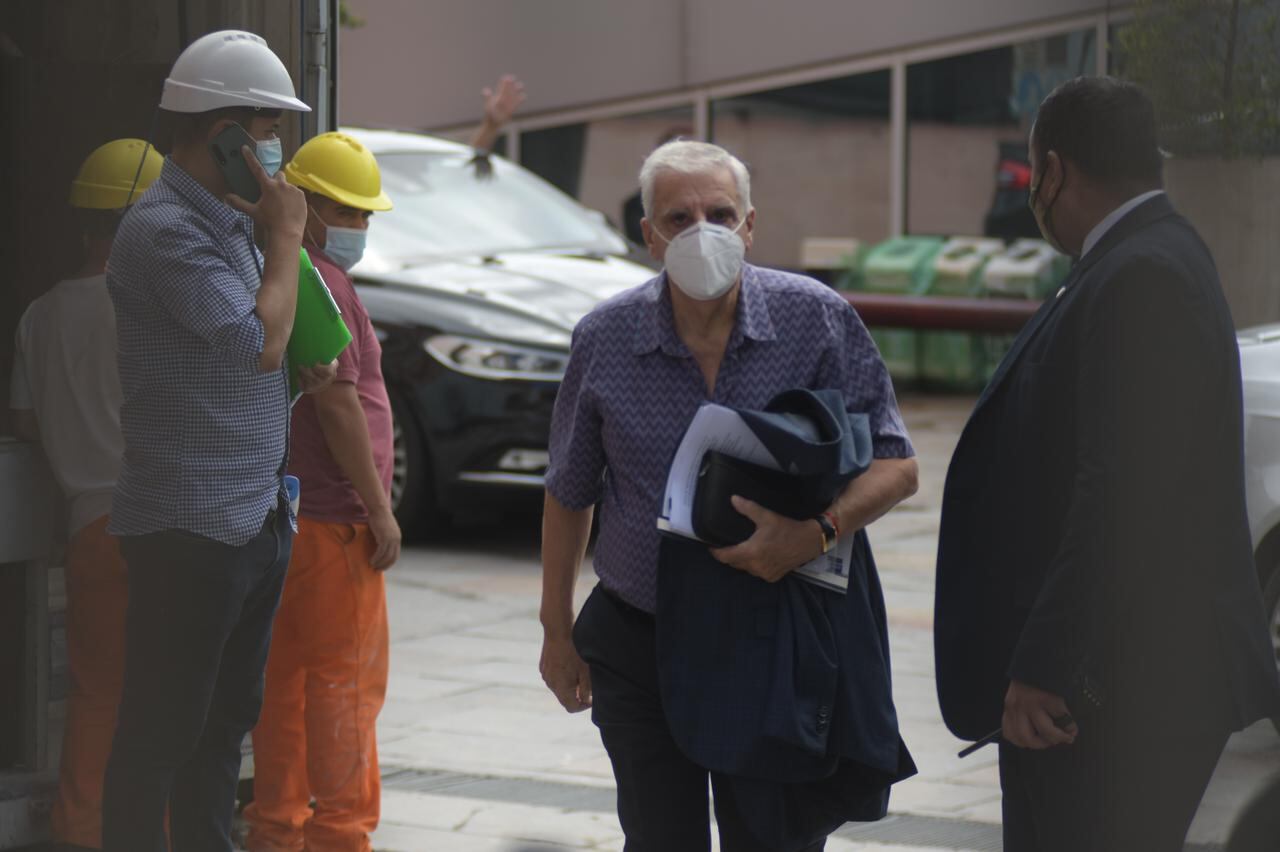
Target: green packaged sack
{"points": [[900, 266], [955, 360], [319, 334]]}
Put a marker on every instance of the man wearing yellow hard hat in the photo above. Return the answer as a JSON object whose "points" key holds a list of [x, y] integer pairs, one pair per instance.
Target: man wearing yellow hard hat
{"points": [[65, 393], [327, 669]]}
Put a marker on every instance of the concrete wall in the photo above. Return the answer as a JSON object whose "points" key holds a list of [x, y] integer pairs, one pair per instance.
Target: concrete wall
{"points": [[614, 152], [837, 186], [735, 38], [793, 194], [422, 63], [1236, 208], [951, 176]]}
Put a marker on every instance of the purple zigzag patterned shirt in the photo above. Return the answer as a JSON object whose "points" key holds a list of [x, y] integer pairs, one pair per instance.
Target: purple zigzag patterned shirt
{"points": [[632, 387]]}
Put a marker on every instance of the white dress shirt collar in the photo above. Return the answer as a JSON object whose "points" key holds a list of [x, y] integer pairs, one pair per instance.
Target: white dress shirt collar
{"points": [[1100, 230]]}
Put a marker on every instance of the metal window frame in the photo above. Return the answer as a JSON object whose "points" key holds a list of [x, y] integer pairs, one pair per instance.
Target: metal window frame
{"points": [[318, 61]]}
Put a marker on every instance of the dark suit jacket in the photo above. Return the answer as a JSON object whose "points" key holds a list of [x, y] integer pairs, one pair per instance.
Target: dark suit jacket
{"points": [[1093, 522]]}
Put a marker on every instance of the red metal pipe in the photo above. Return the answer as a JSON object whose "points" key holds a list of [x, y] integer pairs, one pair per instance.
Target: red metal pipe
{"points": [[941, 313]]}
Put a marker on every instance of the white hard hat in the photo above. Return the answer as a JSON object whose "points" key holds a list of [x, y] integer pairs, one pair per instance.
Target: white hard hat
{"points": [[229, 68]]}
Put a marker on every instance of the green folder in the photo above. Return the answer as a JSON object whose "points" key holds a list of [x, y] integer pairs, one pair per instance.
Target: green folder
{"points": [[319, 334]]}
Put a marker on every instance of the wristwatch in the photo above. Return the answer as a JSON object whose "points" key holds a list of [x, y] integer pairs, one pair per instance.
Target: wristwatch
{"points": [[828, 533]]}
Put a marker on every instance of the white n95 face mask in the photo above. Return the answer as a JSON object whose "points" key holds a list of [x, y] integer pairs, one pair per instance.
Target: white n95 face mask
{"points": [[704, 260]]}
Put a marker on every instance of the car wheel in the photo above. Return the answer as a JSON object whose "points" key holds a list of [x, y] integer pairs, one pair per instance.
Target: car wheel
{"points": [[412, 491], [1271, 601]]}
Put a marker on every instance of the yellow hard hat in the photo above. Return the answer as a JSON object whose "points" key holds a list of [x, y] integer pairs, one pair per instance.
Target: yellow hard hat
{"points": [[107, 175], [337, 166]]}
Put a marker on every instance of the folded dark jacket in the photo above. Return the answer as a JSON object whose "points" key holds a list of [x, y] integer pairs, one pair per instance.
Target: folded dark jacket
{"points": [[819, 445], [782, 686]]}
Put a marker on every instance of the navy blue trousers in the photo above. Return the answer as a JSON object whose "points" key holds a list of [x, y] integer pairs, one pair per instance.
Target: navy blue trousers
{"points": [[662, 795], [1107, 792], [197, 634]]}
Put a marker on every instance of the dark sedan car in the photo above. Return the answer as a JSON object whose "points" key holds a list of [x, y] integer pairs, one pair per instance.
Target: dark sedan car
{"points": [[474, 283]]}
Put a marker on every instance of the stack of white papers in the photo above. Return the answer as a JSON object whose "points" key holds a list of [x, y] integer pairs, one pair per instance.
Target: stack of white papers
{"points": [[715, 427]]}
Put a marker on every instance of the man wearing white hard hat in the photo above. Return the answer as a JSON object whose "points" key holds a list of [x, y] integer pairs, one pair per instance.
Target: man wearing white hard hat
{"points": [[203, 318]]}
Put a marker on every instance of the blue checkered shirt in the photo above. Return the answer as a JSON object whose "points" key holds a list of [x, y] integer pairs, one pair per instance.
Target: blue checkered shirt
{"points": [[632, 387], [205, 432]]}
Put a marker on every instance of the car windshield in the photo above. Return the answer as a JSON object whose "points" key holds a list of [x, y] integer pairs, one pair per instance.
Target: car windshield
{"points": [[442, 207]]}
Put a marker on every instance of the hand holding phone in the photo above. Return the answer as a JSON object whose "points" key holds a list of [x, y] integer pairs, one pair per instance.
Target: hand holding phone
{"points": [[272, 202], [228, 150]]}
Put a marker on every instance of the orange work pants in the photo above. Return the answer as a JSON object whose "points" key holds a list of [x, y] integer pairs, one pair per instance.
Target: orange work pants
{"points": [[97, 597], [325, 683]]}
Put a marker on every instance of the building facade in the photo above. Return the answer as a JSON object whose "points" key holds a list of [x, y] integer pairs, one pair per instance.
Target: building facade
{"points": [[859, 119]]}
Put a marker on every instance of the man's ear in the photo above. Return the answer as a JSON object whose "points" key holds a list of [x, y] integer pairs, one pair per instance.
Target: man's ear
{"points": [[749, 228], [1052, 176], [650, 238], [315, 228], [217, 127]]}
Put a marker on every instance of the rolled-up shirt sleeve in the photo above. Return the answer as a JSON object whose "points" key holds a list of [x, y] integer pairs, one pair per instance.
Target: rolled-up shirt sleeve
{"points": [[854, 366], [575, 474], [198, 288]]}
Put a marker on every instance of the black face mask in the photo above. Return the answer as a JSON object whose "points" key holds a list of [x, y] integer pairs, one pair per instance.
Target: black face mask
{"points": [[1045, 220]]}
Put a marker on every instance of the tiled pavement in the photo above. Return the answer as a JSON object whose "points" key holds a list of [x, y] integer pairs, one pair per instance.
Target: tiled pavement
{"points": [[478, 756]]}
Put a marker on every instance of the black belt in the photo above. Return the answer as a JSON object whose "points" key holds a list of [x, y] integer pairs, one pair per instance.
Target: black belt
{"points": [[629, 608]]}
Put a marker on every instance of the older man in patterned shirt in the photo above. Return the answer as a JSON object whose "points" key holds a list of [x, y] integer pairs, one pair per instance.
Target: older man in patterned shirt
{"points": [[709, 328]]}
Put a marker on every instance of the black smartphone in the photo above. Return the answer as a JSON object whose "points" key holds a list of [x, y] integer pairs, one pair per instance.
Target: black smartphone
{"points": [[225, 148]]}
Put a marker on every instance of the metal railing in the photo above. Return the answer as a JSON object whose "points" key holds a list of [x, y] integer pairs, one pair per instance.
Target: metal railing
{"points": [[940, 313]]}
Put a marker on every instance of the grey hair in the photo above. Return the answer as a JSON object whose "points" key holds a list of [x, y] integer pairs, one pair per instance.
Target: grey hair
{"points": [[687, 157]]}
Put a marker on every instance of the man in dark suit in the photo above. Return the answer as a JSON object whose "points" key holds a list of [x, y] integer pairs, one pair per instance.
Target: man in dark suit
{"points": [[1096, 596]]}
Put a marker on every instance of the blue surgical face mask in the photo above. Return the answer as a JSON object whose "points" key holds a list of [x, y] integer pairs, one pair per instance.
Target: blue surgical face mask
{"points": [[345, 245], [271, 154]]}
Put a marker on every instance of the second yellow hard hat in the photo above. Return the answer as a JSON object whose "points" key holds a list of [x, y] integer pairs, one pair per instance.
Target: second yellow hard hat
{"points": [[337, 166], [107, 175]]}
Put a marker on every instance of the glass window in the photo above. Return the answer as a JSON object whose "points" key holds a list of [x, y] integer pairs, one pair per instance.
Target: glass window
{"points": [[615, 149], [1116, 65], [598, 162], [443, 208], [969, 116], [555, 155], [819, 160]]}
